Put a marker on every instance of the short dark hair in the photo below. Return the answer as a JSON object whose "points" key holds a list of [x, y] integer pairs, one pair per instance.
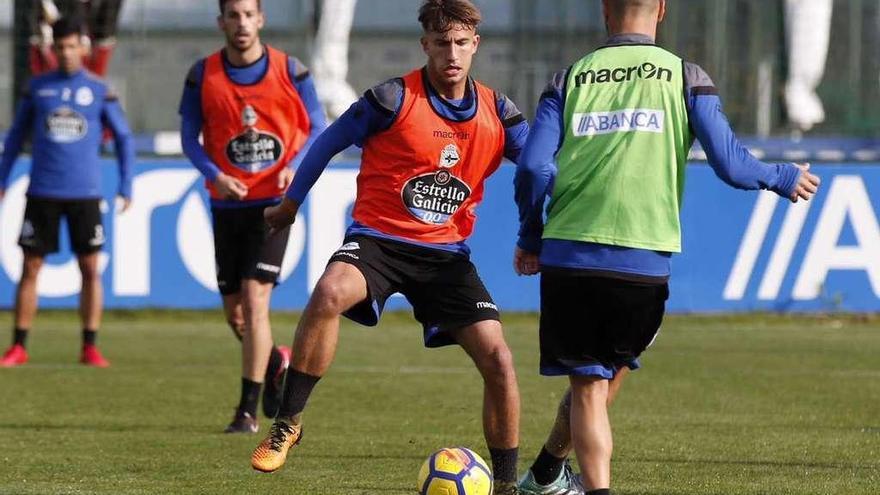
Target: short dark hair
{"points": [[440, 16], [224, 2], [67, 26]]}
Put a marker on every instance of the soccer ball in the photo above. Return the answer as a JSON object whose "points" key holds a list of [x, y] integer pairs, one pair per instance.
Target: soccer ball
{"points": [[454, 471]]}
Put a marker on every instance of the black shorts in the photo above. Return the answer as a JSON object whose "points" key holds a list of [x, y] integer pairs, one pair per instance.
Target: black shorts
{"points": [[444, 289], [593, 326], [243, 248], [42, 221]]}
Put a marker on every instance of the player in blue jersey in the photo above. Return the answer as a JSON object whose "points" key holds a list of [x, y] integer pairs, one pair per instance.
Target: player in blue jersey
{"points": [[603, 295], [258, 113], [63, 112]]}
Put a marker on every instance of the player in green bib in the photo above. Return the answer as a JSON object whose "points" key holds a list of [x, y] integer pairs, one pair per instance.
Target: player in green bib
{"points": [[609, 147]]}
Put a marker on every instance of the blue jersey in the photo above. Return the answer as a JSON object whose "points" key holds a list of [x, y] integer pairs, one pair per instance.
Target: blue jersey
{"points": [[64, 114]]}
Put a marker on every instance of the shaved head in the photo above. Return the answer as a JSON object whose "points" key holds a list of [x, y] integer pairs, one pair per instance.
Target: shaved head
{"points": [[632, 7], [634, 16]]}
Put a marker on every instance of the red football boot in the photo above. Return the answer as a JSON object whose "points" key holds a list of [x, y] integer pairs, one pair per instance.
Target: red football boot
{"points": [[15, 356], [91, 356]]}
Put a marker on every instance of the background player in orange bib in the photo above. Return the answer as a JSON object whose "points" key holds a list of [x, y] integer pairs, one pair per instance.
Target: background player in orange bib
{"points": [[429, 141], [258, 111]]}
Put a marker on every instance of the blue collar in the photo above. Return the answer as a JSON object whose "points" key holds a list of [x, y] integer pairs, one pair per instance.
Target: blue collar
{"points": [[60, 74], [454, 110]]}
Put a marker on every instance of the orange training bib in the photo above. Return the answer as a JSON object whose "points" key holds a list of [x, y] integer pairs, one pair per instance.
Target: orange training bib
{"points": [[252, 132], [423, 178]]}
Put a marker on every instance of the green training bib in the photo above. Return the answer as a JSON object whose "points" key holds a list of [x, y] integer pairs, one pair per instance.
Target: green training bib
{"points": [[622, 163]]}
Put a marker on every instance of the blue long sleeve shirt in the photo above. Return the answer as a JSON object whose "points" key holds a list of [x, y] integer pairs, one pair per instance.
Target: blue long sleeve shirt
{"points": [[192, 116], [64, 115], [536, 171], [375, 112]]}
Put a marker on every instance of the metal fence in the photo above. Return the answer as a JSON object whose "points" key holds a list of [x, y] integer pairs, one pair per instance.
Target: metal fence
{"points": [[740, 43]]}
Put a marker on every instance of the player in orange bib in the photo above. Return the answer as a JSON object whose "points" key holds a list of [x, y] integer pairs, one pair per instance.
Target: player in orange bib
{"points": [[429, 139], [257, 111]]}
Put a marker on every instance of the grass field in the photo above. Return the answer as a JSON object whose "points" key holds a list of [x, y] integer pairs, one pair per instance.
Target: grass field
{"points": [[748, 405]]}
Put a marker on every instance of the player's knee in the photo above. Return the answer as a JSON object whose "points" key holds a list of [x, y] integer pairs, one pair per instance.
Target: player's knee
{"points": [[236, 323], [497, 365], [88, 266], [589, 389], [255, 309], [255, 295], [31, 270], [89, 272], [328, 298]]}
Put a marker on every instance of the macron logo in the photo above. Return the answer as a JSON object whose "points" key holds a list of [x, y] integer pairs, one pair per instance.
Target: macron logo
{"points": [[630, 120]]}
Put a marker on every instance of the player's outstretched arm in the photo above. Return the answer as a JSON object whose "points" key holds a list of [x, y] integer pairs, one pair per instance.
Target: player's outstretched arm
{"points": [[353, 127], [364, 118], [729, 159], [330, 143]]}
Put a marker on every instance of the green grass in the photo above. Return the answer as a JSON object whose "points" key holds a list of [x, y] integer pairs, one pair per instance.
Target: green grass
{"points": [[745, 405]]}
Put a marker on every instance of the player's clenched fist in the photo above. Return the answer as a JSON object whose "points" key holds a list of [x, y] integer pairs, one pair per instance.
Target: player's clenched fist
{"points": [[525, 263], [285, 177], [282, 215], [229, 187]]}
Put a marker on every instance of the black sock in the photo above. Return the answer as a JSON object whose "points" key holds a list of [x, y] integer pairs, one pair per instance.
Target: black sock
{"points": [[297, 388], [504, 463], [275, 360], [250, 395], [19, 337], [89, 336], [603, 491], [547, 467]]}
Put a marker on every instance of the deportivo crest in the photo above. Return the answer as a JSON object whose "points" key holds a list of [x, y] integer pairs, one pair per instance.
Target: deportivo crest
{"points": [[433, 198], [249, 116], [65, 125], [450, 156], [253, 150], [84, 96]]}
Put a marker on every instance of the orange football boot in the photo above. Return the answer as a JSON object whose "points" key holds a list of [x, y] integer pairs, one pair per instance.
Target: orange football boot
{"points": [[270, 455]]}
